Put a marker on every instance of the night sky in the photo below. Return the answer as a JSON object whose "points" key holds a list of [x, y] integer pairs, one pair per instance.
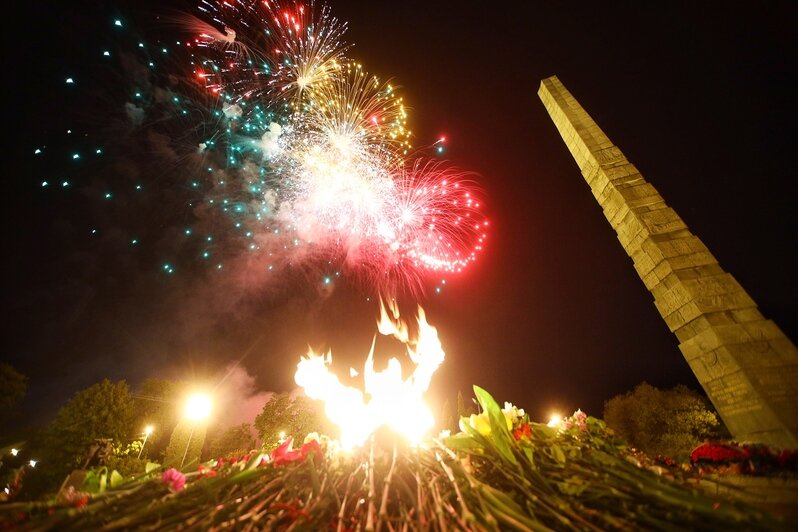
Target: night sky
{"points": [[552, 316]]}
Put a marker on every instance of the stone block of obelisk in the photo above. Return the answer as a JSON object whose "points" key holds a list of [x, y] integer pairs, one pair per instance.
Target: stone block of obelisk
{"points": [[747, 366]]}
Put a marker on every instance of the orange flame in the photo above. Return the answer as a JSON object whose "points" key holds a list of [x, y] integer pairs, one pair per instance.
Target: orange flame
{"points": [[387, 399]]}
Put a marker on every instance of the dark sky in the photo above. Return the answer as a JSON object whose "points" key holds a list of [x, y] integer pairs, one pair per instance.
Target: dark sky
{"points": [[553, 316]]}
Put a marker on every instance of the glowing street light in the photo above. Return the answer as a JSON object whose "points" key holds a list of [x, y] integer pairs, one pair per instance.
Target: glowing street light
{"points": [[554, 420], [147, 432], [198, 408], [14, 452], [33, 463]]}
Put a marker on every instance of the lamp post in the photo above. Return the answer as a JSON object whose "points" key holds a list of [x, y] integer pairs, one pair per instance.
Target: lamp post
{"points": [[198, 408], [147, 432]]}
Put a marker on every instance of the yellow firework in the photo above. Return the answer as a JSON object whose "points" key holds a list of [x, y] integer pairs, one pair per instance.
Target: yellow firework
{"points": [[352, 106]]}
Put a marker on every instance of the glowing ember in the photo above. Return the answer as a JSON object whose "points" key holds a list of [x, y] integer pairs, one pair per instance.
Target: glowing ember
{"points": [[387, 399]]}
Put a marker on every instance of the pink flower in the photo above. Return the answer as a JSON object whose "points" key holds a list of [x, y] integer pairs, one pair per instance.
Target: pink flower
{"points": [[579, 420], [174, 479]]}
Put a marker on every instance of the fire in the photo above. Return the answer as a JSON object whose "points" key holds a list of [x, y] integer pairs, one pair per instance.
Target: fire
{"points": [[387, 399]]}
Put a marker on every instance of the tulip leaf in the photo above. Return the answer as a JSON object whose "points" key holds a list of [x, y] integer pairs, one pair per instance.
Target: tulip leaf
{"points": [[500, 435], [530, 455], [463, 441], [116, 479], [558, 454]]}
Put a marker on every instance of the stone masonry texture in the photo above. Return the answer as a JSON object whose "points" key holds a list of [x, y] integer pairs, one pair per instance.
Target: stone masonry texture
{"points": [[747, 366]]}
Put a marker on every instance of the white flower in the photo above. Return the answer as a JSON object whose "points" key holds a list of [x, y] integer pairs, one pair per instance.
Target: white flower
{"points": [[512, 413]]}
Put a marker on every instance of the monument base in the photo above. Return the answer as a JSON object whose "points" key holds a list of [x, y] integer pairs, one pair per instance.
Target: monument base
{"points": [[778, 495]]}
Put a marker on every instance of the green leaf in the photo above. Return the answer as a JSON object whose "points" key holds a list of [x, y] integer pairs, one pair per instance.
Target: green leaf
{"points": [[571, 488], [500, 436], [91, 482], [151, 466], [544, 432], [245, 475], [506, 510], [116, 479], [463, 442], [256, 461], [103, 479], [558, 454], [603, 458], [530, 454]]}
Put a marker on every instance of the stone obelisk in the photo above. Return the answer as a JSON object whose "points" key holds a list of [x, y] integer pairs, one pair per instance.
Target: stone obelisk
{"points": [[747, 366]]}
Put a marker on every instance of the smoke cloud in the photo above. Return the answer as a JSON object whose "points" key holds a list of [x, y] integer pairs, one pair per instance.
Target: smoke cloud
{"points": [[237, 397]]}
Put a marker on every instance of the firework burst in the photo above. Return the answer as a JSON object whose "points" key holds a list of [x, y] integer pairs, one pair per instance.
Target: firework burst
{"points": [[308, 46], [354, 107], [296, 152]]}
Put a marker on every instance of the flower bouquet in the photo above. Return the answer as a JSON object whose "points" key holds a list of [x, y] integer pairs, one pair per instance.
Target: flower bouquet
{"points": [[500, 472], [743, 459]]}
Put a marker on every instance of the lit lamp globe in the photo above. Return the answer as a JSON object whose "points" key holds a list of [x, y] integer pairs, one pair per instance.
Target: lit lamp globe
{"points": [[554, 420], [198, 407]]}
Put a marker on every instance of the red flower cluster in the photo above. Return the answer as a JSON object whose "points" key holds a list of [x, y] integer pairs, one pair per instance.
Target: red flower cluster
{"points": [[524, 430], [788, 460], [75, 498], [665, 460], [284, 454], [206, 471], [750, 458], [719, 452], [292, 509]]}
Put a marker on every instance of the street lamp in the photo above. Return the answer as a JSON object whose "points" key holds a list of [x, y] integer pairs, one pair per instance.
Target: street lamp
{"points": [[198, 408], [147, 432], [33, 463], [554, 420]]}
